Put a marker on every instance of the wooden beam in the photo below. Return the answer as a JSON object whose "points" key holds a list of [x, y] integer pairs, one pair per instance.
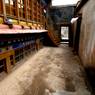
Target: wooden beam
{"points": [[81, 4], [4, 10]]}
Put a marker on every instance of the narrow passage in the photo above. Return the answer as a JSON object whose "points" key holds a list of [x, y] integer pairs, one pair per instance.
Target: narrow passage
{"points": [[51, 71]]}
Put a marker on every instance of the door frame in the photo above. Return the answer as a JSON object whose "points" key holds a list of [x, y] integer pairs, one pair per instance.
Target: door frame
{"points": [[65, 25]]}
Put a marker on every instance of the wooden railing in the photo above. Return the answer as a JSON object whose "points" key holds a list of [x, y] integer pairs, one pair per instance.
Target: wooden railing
{"points": [[54, 38]]}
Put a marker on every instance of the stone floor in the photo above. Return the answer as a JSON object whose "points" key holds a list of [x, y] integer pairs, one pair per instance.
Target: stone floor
{"points": [[51, 71]]}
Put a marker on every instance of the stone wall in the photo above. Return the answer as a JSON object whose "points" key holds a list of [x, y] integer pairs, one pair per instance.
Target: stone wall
{"points": [[58, 16], [61, 14], [87, 35]]}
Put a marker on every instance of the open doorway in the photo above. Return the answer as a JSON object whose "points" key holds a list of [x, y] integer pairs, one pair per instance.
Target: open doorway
{"points": [[64, 34], [77, 35]]}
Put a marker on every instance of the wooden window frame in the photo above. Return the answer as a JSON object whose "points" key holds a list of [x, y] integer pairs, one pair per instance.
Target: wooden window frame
{"points": [[21, 8], [11, 8], [29, 9], [34, 8]]}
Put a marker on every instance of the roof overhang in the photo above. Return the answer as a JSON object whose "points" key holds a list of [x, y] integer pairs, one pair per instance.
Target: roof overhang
{"points": [[80, 4]]}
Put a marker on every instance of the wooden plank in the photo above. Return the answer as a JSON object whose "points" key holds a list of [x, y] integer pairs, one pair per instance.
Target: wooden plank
{"points": [[22, 23], [30, 24], [1, 20]]}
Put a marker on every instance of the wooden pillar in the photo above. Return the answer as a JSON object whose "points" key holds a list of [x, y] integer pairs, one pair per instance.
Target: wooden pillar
{"points": [[26, 11], [4, 10], [8, 65], [37, 44], [17, 11]]}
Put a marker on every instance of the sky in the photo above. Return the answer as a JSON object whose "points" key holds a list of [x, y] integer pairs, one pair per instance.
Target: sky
{"points": [[63, 2]]}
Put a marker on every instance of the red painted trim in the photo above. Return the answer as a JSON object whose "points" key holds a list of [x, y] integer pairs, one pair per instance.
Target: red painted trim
{"points": [[17, 27], [3, 26]]}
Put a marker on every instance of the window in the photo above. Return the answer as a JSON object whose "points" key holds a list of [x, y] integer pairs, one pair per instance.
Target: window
{"points": [[21, 8], [29, 9], [1, 9], [10, 7]]}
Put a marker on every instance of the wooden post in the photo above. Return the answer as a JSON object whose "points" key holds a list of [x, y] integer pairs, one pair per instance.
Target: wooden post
{"points": [[17, 11], [8, 65], [4, 10], [18, 16], [26, 11]]}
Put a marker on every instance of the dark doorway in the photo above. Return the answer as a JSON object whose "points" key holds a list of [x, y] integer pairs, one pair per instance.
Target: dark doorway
{"points": [[77, 35]]}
